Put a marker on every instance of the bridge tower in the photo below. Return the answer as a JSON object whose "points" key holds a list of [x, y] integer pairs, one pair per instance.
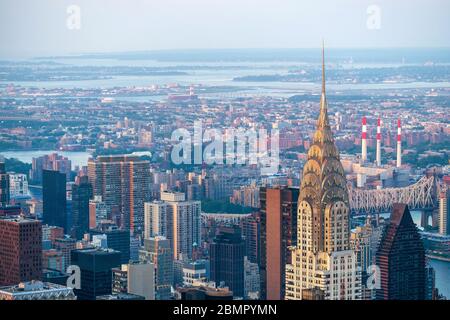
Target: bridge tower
{"points": [[424, 217]]}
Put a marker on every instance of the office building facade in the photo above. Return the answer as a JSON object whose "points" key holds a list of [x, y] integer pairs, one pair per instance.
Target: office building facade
{"points": [[401, 258], [81, 195], [123, 182], [20, 250], [158, 251], [96, 271], [54, 199], [278, 214], [227, 260]]}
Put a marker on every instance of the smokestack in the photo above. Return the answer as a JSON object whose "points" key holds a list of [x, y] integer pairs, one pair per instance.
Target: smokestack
{"points": [[379, 142], [364, 140], [399, 143]]}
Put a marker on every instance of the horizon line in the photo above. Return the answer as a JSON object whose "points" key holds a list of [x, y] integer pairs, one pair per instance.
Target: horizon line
{"points": [[118, 52]]}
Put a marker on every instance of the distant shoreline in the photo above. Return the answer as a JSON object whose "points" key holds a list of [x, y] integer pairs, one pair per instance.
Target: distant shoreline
{"points": [[437, 257]]}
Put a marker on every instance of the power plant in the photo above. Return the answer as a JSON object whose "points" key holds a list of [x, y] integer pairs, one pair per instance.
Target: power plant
{"points": [[368, 174]]}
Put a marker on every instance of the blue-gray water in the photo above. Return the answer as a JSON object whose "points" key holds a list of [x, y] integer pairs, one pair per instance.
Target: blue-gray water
{"points": [[442, 269], [78, 158], [224, 65]]}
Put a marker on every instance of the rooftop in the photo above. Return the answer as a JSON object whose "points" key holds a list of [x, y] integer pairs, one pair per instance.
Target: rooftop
{"points": [[32, 287], [18, 219], [97, 251], [117, 158]]}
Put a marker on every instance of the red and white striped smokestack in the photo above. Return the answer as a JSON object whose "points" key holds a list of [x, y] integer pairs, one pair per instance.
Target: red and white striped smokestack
{"points": [[364, 140], [378, 156], [399, 143]]}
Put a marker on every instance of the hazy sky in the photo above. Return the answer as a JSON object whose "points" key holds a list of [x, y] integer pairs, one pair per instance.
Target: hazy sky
{"points": [[39, 27]]}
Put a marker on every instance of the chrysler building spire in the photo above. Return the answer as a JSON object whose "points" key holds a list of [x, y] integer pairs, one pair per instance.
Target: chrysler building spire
{"points": [[323, 118], [323, 69]]}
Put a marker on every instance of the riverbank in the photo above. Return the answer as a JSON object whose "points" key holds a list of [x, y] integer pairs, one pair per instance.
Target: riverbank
{"points": [[442, 258]]}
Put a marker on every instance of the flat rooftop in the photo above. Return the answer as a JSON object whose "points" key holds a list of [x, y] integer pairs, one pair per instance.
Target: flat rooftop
{"points": [[18, 219], [32, 287]]}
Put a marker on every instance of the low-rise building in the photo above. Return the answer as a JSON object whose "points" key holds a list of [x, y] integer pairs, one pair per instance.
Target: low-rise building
{"points": [[37, 290]]}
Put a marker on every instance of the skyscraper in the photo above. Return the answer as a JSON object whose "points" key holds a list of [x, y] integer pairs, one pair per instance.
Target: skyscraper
{"points": [[54, 198], [364, 242], [251, 232], [123, 181], [183, 223], [155, 219], [278, 233], [81, 194], [98, 211], [444, 221], [227, 260], [401, 258], [430, 283], [322, 260], [4, 184], [20, 250], [157, 250], [116, 239], [96, 271]]}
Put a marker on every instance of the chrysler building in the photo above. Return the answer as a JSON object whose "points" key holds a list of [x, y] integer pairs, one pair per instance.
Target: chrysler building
{"points": [[323, 266]]}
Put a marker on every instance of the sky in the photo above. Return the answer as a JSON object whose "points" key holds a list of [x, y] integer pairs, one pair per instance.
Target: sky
{"points": [[30, 28]]}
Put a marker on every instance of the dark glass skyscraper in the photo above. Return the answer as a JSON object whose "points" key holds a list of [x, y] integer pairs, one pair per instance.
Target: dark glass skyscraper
{"points": [[4, 185], [227, 260], [96, 271], [81, 194], [401, 258], [116, 239], [54, 198]]}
